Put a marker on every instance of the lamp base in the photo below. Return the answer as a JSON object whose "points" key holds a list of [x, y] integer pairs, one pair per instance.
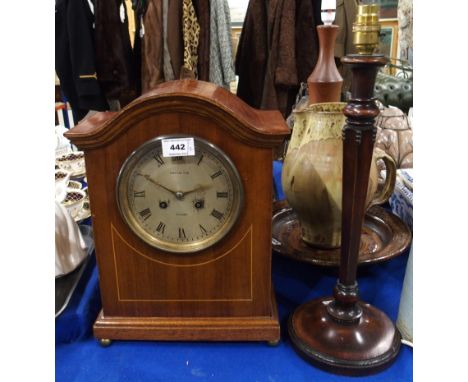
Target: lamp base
{"points": [[363, 348]]}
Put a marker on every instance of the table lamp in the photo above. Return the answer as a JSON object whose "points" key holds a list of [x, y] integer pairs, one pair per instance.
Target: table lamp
{"points": [[341, 333]]}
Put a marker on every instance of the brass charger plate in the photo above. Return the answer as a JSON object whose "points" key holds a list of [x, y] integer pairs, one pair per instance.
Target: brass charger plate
{"points": [[384, 236]]}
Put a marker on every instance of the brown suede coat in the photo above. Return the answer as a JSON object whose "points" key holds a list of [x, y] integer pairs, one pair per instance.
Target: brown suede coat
{"points": [[152, 47], [277, 50], [281, 73]]}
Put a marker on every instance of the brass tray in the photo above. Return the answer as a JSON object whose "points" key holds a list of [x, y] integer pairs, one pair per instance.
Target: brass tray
{"points": [[384, 236]]}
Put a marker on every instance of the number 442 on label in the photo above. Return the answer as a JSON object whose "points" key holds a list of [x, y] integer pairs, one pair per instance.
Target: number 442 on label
{"points": [[177, 147]]}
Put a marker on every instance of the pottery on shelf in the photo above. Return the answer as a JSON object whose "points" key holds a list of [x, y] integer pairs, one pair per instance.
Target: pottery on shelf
{"points": [[313, 169]]}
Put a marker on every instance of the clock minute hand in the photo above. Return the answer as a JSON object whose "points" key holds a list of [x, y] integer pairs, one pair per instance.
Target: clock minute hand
{"points": [[147, 177]]}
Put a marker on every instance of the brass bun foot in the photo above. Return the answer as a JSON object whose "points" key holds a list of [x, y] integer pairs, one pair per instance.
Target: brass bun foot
{"points": [[273, 342], [105, 342], [358, 349]]}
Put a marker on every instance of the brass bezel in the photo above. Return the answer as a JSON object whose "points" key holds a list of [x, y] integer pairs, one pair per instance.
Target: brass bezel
{"points": [[132, 222]]}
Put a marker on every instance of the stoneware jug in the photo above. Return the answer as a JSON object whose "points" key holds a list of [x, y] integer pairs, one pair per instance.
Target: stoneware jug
{"points": [[313, 169]]}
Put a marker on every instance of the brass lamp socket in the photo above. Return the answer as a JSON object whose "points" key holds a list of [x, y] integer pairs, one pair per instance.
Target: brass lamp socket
{"points": [[366, 29]]}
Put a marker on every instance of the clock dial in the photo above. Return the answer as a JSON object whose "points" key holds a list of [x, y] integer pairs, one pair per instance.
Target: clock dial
{"points": [[183, 203]]}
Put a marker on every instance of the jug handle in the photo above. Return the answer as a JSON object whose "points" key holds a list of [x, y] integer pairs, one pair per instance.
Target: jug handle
{"points": [[387, 190]]}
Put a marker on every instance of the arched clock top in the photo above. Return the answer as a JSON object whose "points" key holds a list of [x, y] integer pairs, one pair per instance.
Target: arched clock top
{"points": [[262, 128]]}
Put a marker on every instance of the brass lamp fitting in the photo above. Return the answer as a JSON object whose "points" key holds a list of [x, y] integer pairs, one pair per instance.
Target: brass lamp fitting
{"points": [[366, 29]]}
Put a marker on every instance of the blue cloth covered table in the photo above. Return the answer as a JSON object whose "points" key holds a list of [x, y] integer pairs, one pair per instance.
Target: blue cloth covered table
{"points": [[85, 360], [76, 321]]}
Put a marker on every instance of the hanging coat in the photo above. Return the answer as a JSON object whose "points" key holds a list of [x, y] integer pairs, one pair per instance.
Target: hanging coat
{"points": [[191, 34], [346, 11], [252, 53], [167, 62], [152, 72], [307, 45], [175, 42], [114, 57], [202, 8], [75, 62], [221, 59], [266, 54]]}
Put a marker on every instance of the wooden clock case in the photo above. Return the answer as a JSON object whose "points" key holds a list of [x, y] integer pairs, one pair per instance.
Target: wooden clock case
{"points": [[221, 293]]}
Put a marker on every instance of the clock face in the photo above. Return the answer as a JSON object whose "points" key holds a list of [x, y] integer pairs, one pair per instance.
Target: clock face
{"points": [[179, 203]]}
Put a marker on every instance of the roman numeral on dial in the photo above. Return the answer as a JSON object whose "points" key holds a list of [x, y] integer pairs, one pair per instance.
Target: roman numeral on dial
{"points": [[221, 194], [145, 214], [216, 174], [218, 215], [158, 159], [201, 158], [139, 194], [203, 229], [160, 228], [182, 234]]}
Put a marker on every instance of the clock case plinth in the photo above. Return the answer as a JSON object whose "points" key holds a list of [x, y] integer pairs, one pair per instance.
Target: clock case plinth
{"points": [[189, 328], [222, 293]]}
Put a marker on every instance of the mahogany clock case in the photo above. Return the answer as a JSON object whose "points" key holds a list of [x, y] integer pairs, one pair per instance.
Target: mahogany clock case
{"points": [[223, 292]]}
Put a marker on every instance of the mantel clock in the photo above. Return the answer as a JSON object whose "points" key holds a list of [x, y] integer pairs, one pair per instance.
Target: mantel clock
{"points": [[180, 186]]}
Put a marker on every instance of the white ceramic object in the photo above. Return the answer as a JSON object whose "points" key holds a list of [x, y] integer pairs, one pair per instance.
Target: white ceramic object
{"points": [[75, 185], [401, 202], [84, 213], [73, 162], [73, 201], [62, 145], [70, 248], [62, 178], [406, 177]]}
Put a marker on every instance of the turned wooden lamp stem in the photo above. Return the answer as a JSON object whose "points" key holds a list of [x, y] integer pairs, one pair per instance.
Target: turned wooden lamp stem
{"points": [[358, 145], [341, 333]]}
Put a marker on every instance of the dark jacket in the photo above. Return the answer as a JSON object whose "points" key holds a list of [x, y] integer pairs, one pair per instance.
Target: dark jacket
{"points": [[114, 57], [75, 57], [252, 53], [307, 45]]}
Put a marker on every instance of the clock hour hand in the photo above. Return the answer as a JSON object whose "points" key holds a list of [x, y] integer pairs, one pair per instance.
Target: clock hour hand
{"points": [[200, 188], [147, 177]]}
